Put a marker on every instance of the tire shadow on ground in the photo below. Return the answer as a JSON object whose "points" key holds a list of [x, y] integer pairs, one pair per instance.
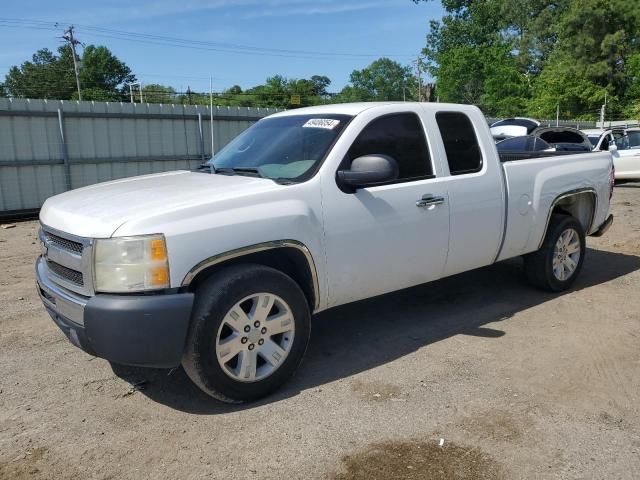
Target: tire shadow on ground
{"points": [[363, 335]]}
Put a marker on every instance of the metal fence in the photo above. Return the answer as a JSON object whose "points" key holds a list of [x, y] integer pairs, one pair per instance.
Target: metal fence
{"points": [[579, 124], [48, 147]]}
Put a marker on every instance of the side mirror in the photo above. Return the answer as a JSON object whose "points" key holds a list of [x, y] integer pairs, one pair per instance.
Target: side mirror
{"points": [[369, 170], [613, 148]]}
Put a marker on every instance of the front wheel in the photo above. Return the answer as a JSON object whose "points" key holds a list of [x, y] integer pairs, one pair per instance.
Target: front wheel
{"points": [[558, 262], [249, 331]]}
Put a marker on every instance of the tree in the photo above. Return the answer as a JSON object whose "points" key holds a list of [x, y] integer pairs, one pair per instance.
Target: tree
{"points": [[47, 75], [156, 93], [277, 92], [383, 80], [529, 56], [597, 44], [104, 73], [631, 99], [320, 83], [480, 53]]}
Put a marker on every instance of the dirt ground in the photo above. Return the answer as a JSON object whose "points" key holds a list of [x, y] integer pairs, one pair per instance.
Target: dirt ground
{"points": [[476, 376]]}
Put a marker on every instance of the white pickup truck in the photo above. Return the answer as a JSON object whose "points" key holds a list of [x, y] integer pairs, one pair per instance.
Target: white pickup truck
{"points": [[220, 269]]}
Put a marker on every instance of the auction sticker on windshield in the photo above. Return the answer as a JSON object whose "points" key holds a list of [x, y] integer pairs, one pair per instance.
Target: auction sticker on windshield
{"points": [[327, 123]]}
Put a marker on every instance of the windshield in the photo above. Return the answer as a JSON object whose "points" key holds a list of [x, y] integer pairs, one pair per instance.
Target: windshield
{"points": [[561, 135], [283, 148], [527, 143], [594, 139]]}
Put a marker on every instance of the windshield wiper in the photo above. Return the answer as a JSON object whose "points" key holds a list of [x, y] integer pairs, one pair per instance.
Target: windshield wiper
{"points": [[240, 171], [207, 166], [252, 171]]}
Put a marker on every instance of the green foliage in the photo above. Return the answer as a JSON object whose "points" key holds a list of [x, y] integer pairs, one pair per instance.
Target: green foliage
{"points": [[156, 93], [596, 40], [505, 88], [529, 56], [631, 100], [102, 70], [277, 92], [383, 80], [49, 75]]}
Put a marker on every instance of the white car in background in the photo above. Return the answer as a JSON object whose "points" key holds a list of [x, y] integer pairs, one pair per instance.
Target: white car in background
{"points": [[624, 145]]}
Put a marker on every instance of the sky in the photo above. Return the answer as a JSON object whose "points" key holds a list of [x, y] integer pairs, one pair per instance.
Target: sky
{"points": [[236, 42]]}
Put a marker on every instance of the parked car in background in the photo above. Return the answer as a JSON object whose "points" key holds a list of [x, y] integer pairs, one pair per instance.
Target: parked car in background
{"points": [[633, 135], [624, 145], [564, 139], [513, 127], [602, 139], [526, 143]]}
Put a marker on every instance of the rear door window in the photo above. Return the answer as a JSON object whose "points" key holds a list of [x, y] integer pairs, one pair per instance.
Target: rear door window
{"points": [[460, 143]]}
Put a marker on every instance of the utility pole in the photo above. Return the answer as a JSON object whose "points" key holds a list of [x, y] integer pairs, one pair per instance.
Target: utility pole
{"points": [[139, 85], [213, 143], [418, 63], [68, 36], [557, 115], [603, 111]]}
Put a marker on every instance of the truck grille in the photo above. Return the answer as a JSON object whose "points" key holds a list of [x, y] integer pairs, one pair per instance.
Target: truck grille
{"points": [[63, 242], [68, 274], [68, 260]]}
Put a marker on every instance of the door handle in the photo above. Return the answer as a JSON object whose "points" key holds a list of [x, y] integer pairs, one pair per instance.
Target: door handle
{"points": [[429, 200]]}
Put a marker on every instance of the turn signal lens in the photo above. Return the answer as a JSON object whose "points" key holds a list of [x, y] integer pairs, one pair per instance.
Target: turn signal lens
{"points": [[158, 251], [160, 276]]}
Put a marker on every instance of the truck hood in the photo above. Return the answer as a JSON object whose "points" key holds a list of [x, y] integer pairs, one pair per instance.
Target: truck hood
{"points": [[99, 210]]}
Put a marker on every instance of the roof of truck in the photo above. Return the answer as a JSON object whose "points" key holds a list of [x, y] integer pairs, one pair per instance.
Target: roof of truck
{"points": [[355, 108], [336, 108]]}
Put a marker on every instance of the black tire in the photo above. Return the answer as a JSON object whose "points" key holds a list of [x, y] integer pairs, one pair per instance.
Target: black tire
{"points": [[538, 265], [214, 298]]}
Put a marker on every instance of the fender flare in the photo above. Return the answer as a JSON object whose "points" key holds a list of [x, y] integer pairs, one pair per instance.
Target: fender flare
{"points": [[259, 247], [572, 193]]}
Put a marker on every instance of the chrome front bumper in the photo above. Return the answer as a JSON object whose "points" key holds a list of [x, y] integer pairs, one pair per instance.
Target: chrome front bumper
{"points": [[63, 302]]}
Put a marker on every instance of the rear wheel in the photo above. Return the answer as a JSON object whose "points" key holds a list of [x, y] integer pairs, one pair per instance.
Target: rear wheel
{"points": [[558, 262], [249, 331]]}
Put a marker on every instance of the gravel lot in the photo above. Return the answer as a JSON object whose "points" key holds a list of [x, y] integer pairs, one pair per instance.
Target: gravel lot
{"points": [[518, 383]]}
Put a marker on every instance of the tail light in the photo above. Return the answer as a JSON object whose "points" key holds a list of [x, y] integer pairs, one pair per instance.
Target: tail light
{"points": [[612, 180]]}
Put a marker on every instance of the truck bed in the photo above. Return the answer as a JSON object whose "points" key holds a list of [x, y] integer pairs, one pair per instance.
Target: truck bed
{"points": [[532, 187], [516, 156]]}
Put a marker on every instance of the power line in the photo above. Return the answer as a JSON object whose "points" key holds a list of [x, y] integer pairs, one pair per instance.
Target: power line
{"points": [[190, 43]]}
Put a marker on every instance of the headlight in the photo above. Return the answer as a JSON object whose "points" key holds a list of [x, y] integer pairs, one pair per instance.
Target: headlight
{"points": [[131, 264]]}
